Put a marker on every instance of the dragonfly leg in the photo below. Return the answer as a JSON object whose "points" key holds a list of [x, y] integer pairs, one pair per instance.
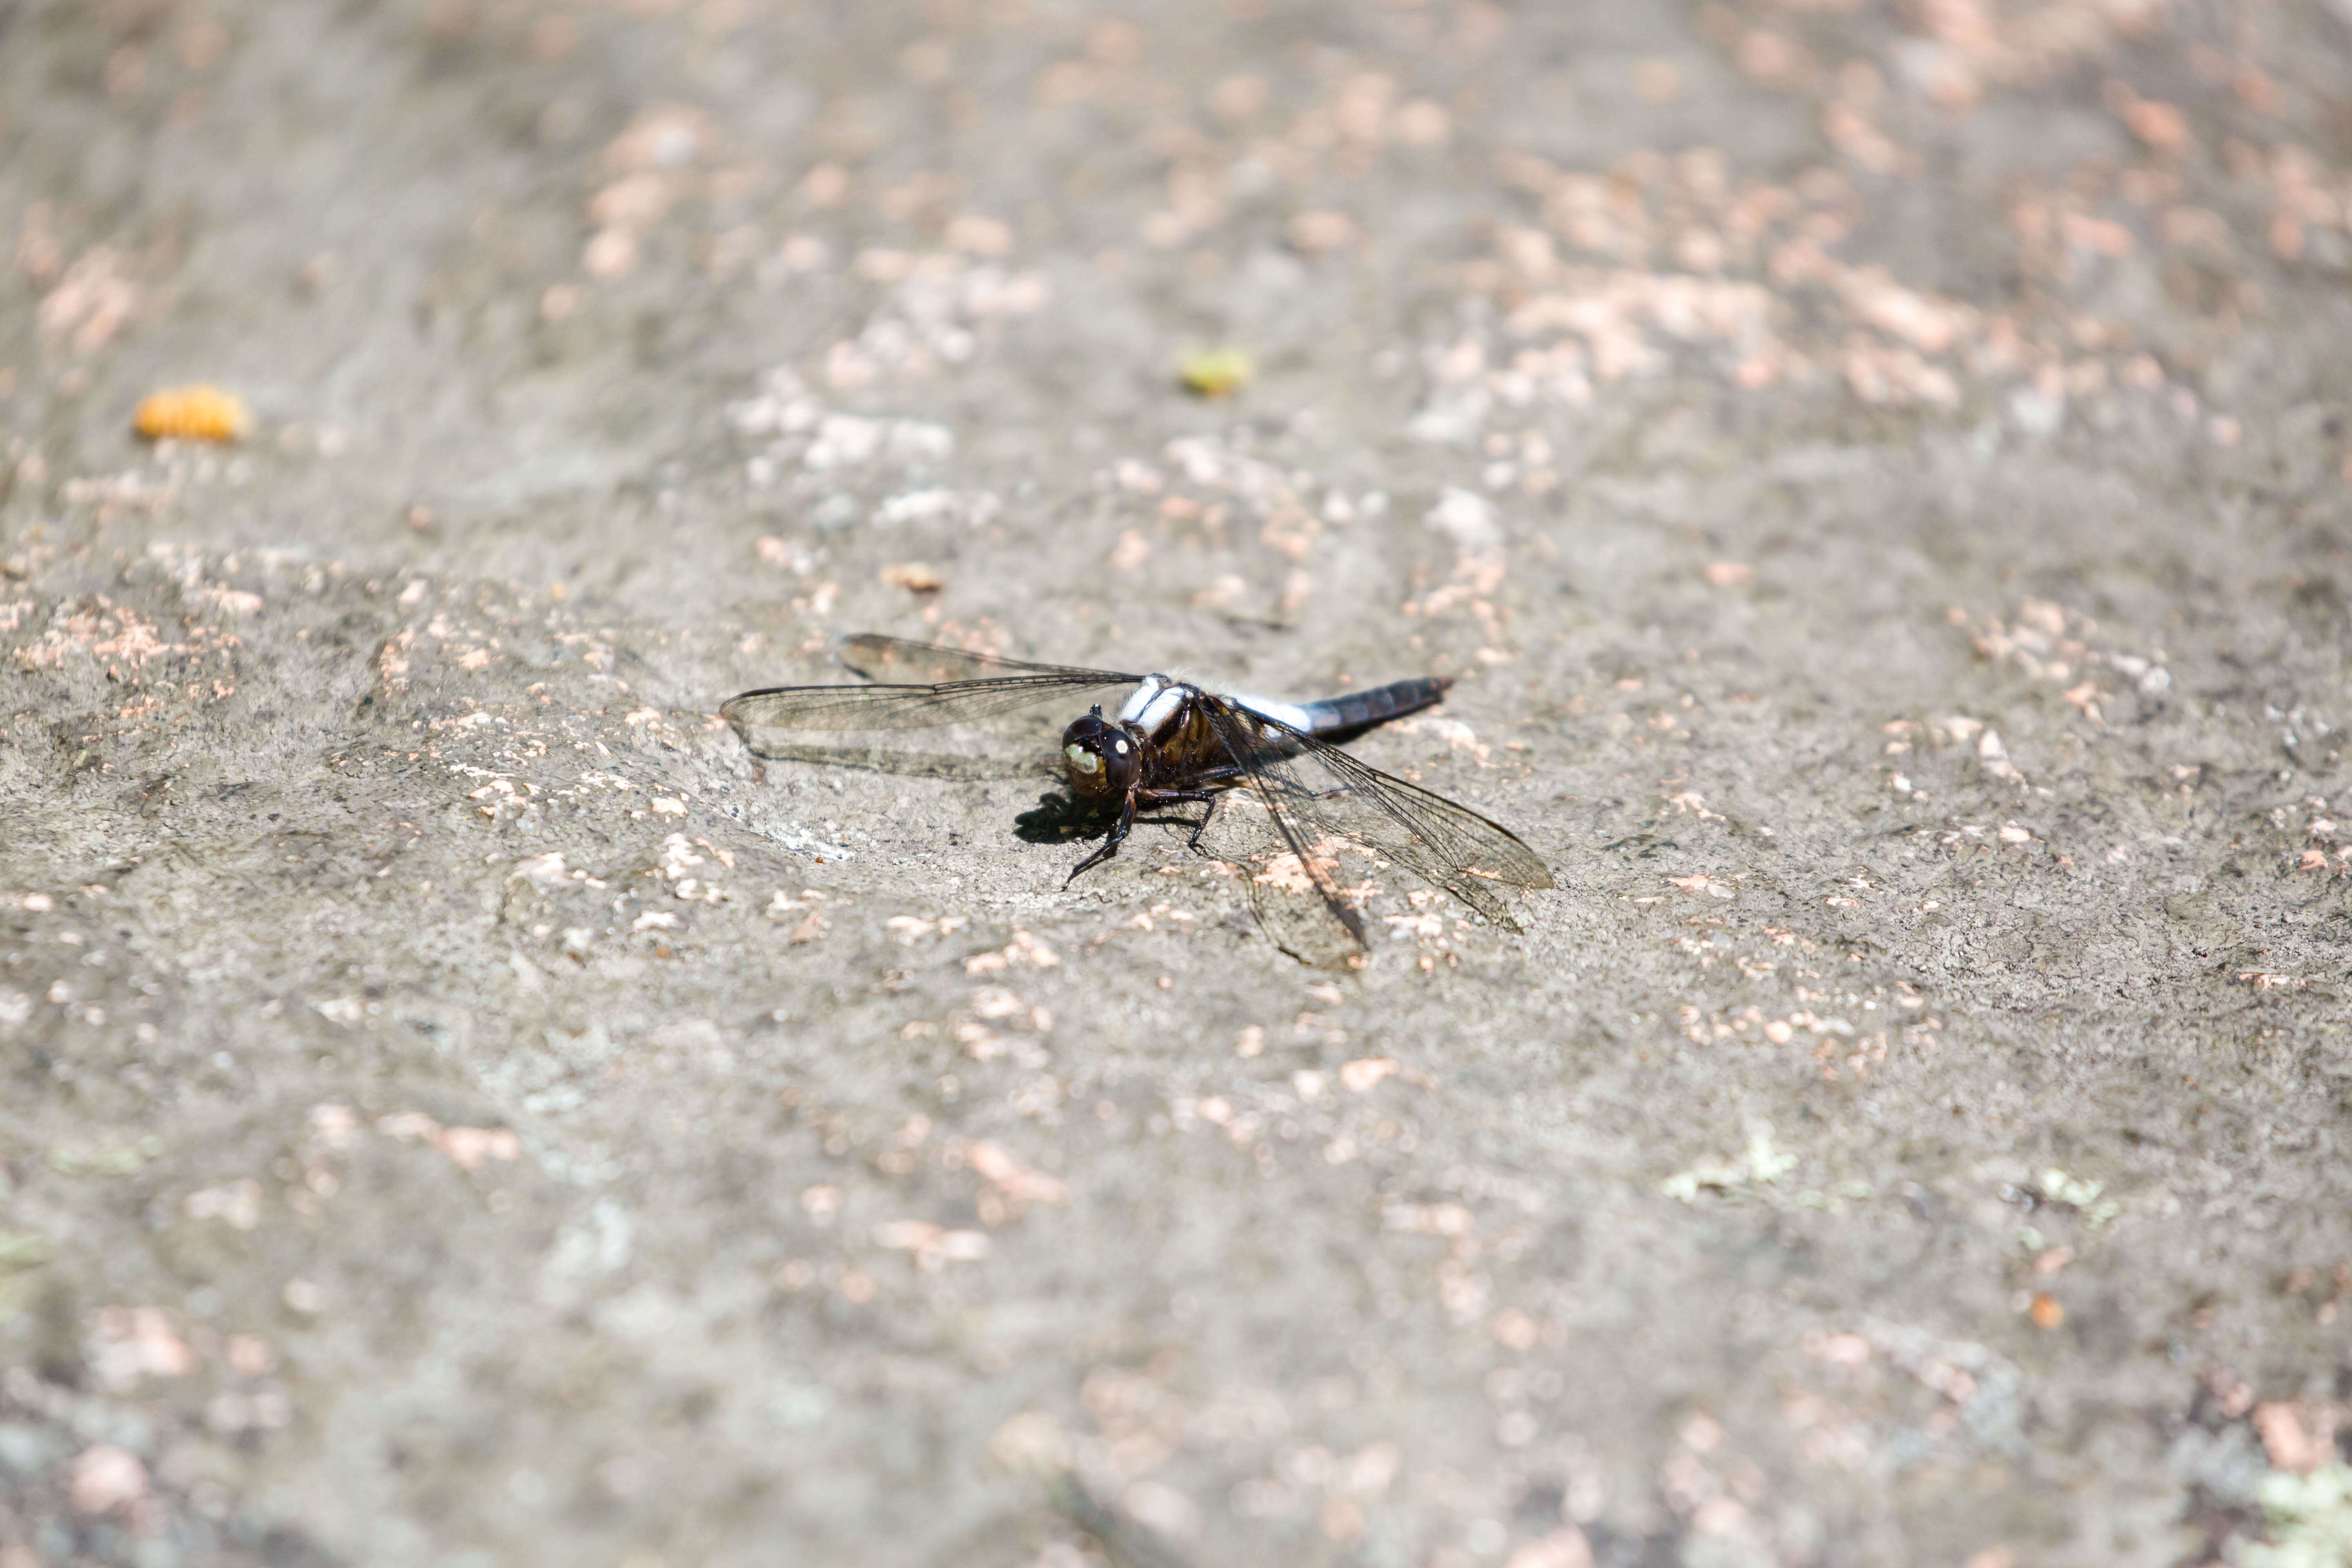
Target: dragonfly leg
{"points": [[1205, 797], [1110, 845]]}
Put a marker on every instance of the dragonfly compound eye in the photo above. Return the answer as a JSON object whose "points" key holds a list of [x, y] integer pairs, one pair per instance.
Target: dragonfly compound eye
{"points": [[1099, 757]]}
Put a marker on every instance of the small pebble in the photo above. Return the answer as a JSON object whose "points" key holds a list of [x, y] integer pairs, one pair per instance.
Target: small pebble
{"points": [[1216, 372], [201, 413]]}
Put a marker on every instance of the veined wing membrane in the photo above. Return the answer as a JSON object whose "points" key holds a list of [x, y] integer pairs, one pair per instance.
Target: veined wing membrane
{"points": [[1318, 793], [958, 689], [1242, 733], [897, 660]]}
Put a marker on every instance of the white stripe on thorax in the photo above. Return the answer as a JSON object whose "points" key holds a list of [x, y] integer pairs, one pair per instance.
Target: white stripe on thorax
{"points": [[1162, 706], [1131, 710]]}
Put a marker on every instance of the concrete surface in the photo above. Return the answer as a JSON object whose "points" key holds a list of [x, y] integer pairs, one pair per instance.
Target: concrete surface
{"points": [[1880, 472]]}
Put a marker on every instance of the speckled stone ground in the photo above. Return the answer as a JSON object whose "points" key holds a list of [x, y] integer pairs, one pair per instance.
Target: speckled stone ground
{"points": [[1881, 473]]}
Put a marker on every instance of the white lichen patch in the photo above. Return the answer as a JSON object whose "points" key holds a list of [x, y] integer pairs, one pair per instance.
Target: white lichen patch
{"points": [[2086, 1197], [2310, 1519], [1761, 1164]]}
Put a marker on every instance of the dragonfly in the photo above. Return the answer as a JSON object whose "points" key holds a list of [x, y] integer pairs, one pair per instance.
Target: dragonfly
{"points": [[1173, 743]]}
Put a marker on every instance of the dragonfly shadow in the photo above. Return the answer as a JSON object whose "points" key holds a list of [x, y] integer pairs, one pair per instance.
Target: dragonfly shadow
{"points": [[1059, 817], [905, 764], [1289, 911]]}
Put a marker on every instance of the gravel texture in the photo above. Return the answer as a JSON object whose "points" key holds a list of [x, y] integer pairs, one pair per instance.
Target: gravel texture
{"points": [[1882, 476]]}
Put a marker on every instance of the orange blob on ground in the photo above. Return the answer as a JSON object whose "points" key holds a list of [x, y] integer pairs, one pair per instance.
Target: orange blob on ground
{"points": [[202, 413]]}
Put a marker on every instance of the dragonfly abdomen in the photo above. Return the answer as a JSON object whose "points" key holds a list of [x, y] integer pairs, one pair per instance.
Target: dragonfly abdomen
{"points": [[1360, 710]]}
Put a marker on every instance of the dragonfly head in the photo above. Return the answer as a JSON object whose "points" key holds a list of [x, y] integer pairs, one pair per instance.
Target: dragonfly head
{"points": [[1100, 758]]}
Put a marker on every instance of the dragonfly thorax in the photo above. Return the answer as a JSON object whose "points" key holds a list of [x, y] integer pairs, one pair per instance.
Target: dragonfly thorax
{"points": [[1102, 759]]}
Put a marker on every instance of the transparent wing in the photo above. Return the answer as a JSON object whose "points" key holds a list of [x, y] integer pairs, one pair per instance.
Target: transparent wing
{"points": [[879, 658], [954, 687], [1316, 793], [1242, 735]]}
